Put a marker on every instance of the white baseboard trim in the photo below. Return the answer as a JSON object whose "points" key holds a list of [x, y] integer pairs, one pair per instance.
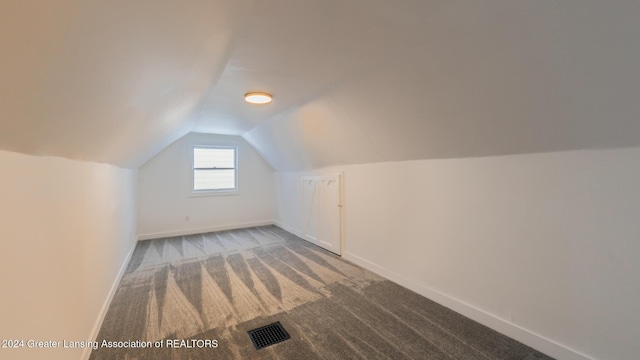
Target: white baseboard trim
{"points": [[105, 307], [201, 230], [299, 234], [503, 326], [294, 231]]}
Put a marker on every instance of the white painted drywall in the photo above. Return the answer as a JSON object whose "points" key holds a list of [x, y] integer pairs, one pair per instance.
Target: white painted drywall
{"points": [[104, 81], [66, 228], [542, 244], [117, 81], [443, 79], [165, 198]]}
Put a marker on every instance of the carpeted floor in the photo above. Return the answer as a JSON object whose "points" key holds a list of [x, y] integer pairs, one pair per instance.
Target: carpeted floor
{"points": [[217, 286]]}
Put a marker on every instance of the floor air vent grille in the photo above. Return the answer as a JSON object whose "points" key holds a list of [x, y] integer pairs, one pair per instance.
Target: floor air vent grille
{"points": [[268, 335]]}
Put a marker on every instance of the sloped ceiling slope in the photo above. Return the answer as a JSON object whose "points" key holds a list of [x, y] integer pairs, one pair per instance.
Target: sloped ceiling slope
{"points": [[471, 78], [353, 81], [107, 81]]}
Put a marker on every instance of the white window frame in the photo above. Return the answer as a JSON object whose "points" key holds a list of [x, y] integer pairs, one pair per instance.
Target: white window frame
{"points": [[213, 192]]}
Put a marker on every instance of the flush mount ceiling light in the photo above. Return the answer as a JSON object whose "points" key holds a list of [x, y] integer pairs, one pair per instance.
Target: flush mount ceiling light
{"points": [[257, 98]]}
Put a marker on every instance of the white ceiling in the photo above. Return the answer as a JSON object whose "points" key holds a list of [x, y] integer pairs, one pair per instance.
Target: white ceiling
{"points": [[353, 81]]}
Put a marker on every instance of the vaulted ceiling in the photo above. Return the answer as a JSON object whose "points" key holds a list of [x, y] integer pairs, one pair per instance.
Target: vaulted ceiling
{"points": [[353, 81]]}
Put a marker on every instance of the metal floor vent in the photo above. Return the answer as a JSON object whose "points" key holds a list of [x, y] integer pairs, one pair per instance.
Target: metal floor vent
{"points": [[268, 335]]}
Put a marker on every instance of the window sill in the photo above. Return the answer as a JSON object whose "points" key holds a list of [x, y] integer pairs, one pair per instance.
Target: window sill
{"points": [[214, 193]]}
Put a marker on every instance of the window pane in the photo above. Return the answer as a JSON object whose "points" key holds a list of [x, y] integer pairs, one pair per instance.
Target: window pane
{"points": [[213, 158], [214, 179]]}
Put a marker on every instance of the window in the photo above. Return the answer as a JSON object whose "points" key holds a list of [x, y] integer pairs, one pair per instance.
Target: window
{"points": [[214, 169]]}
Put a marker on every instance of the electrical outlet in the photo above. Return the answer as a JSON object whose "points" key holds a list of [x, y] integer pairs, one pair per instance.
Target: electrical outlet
{"points": [[186, 218]]}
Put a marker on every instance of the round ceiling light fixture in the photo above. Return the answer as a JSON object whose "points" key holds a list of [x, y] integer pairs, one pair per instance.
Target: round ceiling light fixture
{"points": [[257, 98]]}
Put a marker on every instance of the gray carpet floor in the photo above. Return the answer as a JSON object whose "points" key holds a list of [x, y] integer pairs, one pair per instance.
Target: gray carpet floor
{"points": [[217, 286]]}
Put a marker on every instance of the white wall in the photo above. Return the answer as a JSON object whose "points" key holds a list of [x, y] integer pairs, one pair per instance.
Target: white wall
{"points": [[165, 198], [66, 229], [542, 244]]}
